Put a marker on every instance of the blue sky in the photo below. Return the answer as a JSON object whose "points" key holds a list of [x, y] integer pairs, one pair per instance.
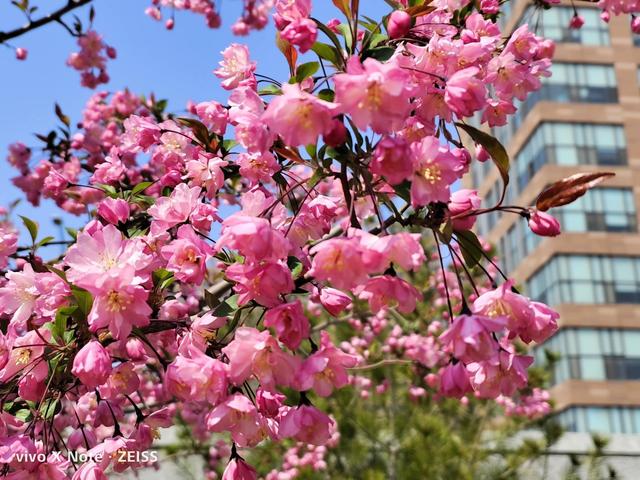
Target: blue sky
{"points": [[176, 65]]}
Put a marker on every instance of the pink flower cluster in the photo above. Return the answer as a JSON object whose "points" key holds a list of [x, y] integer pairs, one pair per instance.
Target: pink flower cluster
{"points": [[91, 60], [322, 193]]}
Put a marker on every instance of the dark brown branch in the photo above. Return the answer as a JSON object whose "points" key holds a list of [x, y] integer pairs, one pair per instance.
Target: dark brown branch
{"points": [[52, 17]]}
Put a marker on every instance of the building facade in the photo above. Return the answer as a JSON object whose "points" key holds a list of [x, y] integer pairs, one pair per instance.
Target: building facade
{"points": [[586, 117]]}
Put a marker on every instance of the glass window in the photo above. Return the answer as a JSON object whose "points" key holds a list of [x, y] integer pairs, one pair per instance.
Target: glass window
{"points": [[569, 82], [594, 354], [589, 279], [600, 419], [602, 209]]}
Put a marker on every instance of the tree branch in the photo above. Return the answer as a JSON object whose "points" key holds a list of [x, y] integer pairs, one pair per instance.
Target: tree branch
{"points": [[52, 17]]}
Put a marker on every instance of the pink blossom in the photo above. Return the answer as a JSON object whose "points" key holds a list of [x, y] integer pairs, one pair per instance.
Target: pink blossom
{"points": [[258, 166], [392, 160], [258, 353], [269, 403], [140, 133], [238, 415], [92, 365], [289, 322], [18, 295], [334, 301], [8, 244], [299, 117], [504, 303], [19, 155], [114, 210], [454, 380], [306, 424], [387, 291], [465, 92], [238, 469], [197, 377], [543, 324], [470, 337], [89, 471], [496, 111], [203, 217], [543, 224], [264, 282], [435, 170], [187, 256], [103, 255], [463, 201], [340, 262], [214, 116], [170, 211], [207, 173], [235, 67], [253, 237], [374, 94], [502, 374], [120, 306], [325, 369], [302, 33], [26, 352], [399, 24]]}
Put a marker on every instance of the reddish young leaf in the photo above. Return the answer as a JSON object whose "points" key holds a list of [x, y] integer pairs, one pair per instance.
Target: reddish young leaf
{"points": [[343, 6], [421, 9], [289, 53], [569, 189]]}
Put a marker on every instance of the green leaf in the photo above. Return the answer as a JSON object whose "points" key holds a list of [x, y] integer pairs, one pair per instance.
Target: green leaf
{"points": [[381, 54], [49, 408], [493, 146], [227, 307], [141, 187], [58, 272], [44, 241], [162, 278], [108, 189], [327, 95], [31, 226], [343, 28], [445, 232], [334, 39], [200, 131], [327, 52], [306, 70], [269, 89], [73, 233], [23, 415], [403, 190], [470, 246], [295, 265], [227, 145], [84, 299]]}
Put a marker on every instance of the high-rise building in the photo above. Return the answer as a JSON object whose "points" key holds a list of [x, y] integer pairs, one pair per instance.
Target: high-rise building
{"points": [[586, 117]]}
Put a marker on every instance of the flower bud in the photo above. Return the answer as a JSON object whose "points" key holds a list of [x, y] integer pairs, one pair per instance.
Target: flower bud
{"points": [[114, 210], [463, 201], [543, 224], [92, 365], [635, 25], [399, 24], [576, 22], [21, 53], [337, 135], [238, 469]]}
